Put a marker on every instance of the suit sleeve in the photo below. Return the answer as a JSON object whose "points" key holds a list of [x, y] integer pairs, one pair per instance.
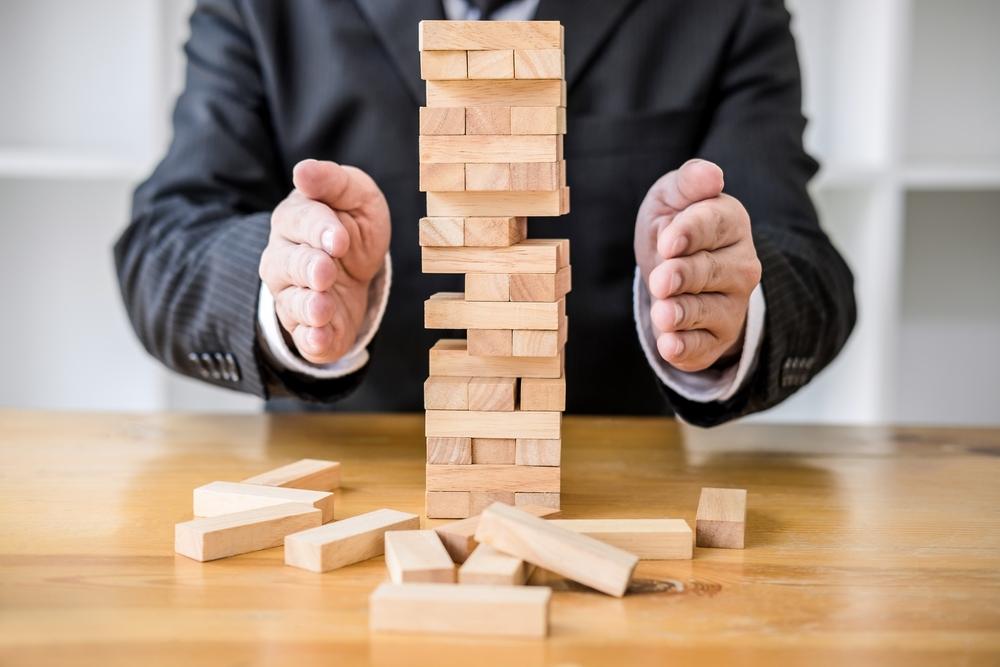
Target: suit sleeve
{"points": [[755, 135], [187, 262]]}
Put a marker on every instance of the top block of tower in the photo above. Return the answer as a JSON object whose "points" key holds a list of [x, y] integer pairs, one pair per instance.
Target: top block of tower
{"points": [[489, 35]]}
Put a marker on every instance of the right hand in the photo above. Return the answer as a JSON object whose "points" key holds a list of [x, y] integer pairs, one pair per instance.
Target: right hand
{"points": [[328, 240]]}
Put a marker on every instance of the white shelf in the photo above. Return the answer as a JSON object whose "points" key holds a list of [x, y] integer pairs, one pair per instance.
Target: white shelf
{"points": [[43, 164], [969, 175]]}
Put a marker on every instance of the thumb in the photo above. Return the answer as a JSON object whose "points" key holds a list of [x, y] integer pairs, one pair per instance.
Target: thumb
{"points": [[695, 181], [339, 187]]}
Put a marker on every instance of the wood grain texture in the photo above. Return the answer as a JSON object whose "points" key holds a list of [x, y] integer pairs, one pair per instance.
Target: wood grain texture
{"points": [[444, 65], [463, 149], [541, 286], [442, 178], [450, 357], [498, 451], [450, 310], [487, 287], [488, 566], [438, 232], [524, 500], [493, 478], [527, 343], [721, 521], [210, 538], [452, 451], [496, 394], [445, 120], [537, 176], [487, 177], [490, 342], [534, 452], [446, 393], [311, 474], [545, 394], [347, 541], [218, 498], [498, 203], [493, 64], [448, 504], [528, 256], [539, 64], [486, 35], [413, 556], [649, 539], [480, 500], [496, 93], [481, 424], [534, 120], [492, 120], [495, 232]]}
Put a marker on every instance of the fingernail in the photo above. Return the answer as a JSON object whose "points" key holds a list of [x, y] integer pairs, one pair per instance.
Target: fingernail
{"points": [[675, 283], [678, 314], [678, 346], [680, 245], [327, 241]]}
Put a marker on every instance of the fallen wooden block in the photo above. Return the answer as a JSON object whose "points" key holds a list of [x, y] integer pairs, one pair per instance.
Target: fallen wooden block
{"points": [[442, 232], [492, 394], [311, 474], [533, 452], [449, 451], [346, 541], [494, 232], [545, 394], [493, 64], [488, 566], [481, 424], [574, 556], [449, 357], [533, 120], [444, 65], [487, 287], [494, 451], [490, 120], [492, 149], [417, 556], [488, 35], [448, 504], [529, 256], [510, 93], [490, 343], [242, 532], [490, 478], [507, 611], [548, 204], [446, 120], [450, 310], [538, 64], [446, 393], [649, 539], [541, 286], [227, 497], [721, 520], [458, 537]]}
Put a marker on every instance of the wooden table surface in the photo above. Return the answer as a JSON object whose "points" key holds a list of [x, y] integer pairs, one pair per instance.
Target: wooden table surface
{"points": [[871, 545]]}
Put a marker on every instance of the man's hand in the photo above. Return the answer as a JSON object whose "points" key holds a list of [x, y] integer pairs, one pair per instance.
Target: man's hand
{"points": [[695, 254], [328, 240]]}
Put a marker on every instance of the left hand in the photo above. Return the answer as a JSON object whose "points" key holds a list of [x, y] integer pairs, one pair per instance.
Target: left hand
{"points": [[696, 255]]}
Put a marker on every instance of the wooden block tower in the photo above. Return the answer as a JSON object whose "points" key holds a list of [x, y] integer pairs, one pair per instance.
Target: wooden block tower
{"points": [[491, 154]]}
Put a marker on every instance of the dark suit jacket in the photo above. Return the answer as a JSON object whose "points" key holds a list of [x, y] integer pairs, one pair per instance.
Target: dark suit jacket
{"points": [[651, 84]]}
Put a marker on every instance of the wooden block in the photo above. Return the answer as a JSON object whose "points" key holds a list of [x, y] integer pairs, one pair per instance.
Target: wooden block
{"points": [[547, 204], [417, 556], [487, 287], [496, 451], [486, 565], [534, 120], [346, 541], [528, 256], [649, 539], [493, 478], [458, 537], [451, 360], [444, 65], [446, 393], [526, 500], [227, 497], [541, 286], [450, 451], [445, 120], [442, 178], [546, 394], [721, 520], [490, 342], [442, 232], [488, 35], [505, 611], [447, 148], [537, 176], [448, 504], [241, 532], [538, 343], [481, 424], [534, 452], [498, 64], [512, 93], [574, 556], [480, 500], [487, 120], [312, 474], [537, 64], [450, 310], [487, 177], [495, 232]]}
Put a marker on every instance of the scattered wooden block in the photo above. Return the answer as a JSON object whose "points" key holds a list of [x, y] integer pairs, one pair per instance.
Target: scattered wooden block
{"points": [[346, 541], [538, 64], [486, 35], [512, 93], [450, 357], [506, 611], [442, 178], [443, 65], [541, 286], [446, 393], [228, 497], [468, 204], [498, 64], [447, 148], [574, 556], [721, 520], [449, 451], [490, 343], [535, 120], [534, 452], [480, 500], [417, 556], [442, 232], [311, 474], [486, 565], [649, 539], [529, 256], [458, 537], [545, 394], [481, 424], [487, 120], [450, 310], [499, 232], [487, 177], [526, 500], [241, 532], [496, 451], [448, 504], [537, 176], [487, 287], [445, 120], [492, 478], [526, 343]]}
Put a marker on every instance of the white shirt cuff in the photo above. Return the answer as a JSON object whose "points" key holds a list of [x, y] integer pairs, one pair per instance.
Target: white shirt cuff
{"points": [[274, 345], [710, 384]]}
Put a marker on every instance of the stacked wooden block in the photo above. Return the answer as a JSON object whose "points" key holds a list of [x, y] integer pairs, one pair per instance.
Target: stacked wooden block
{"points": [[491, 156]]}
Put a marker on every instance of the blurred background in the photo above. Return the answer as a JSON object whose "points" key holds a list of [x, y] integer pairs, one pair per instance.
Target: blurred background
{"points": [[903, 98]]}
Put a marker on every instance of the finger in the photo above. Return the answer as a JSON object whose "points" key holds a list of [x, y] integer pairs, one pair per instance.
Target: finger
{"points": [[694, 181], [715, 312], [725, 270], [302, 220], [340, 187], [706, 225], [300, 306], [287, 265], [689, 351], [318, 345]]}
